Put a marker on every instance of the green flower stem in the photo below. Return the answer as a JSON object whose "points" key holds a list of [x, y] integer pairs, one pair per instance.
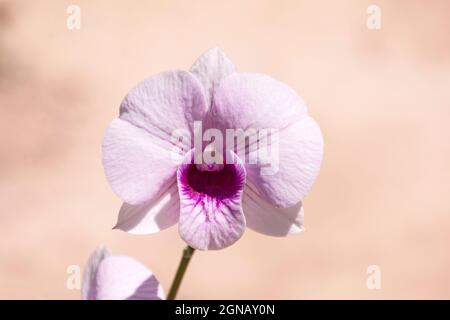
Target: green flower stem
{"points": [[187, 255]]}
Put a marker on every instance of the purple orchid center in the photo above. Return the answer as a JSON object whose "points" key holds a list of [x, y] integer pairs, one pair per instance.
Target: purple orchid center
{"points": [[222, 183], [214, 181]]}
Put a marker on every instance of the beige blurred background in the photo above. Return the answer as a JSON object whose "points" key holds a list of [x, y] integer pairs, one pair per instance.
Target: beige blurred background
{"points": [[382, 99]]}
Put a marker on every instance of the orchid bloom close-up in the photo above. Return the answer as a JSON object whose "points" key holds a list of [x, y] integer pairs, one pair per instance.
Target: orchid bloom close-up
{"points": [[108, 277], [212, 203]]}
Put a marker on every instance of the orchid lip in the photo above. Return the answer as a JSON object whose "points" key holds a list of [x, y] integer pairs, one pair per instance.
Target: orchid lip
{"points": [[218, 181], [211, 215]]}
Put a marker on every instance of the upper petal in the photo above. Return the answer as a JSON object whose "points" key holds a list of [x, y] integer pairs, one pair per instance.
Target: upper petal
{"points": [[256, 102], [138, 147], [165, 102], [211, 68], [137, 165], [250, 100], [120, 278]]}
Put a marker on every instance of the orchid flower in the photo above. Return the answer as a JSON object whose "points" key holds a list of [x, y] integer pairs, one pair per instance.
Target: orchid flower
{"points": [[212, 203], [109, 277]]}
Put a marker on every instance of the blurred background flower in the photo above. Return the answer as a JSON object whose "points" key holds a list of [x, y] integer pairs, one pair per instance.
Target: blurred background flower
{"points": [[111, 277]]}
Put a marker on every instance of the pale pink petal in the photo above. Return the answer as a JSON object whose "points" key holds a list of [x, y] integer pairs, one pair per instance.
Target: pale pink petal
{"points": [[266, 219], [124, 278], [211, 68], [154, 215], [250, 100], [211, 216], [165, 102], [89, 286], [138, 147], [299, 161], [254, 102], [121, 278], [136, 166]]}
